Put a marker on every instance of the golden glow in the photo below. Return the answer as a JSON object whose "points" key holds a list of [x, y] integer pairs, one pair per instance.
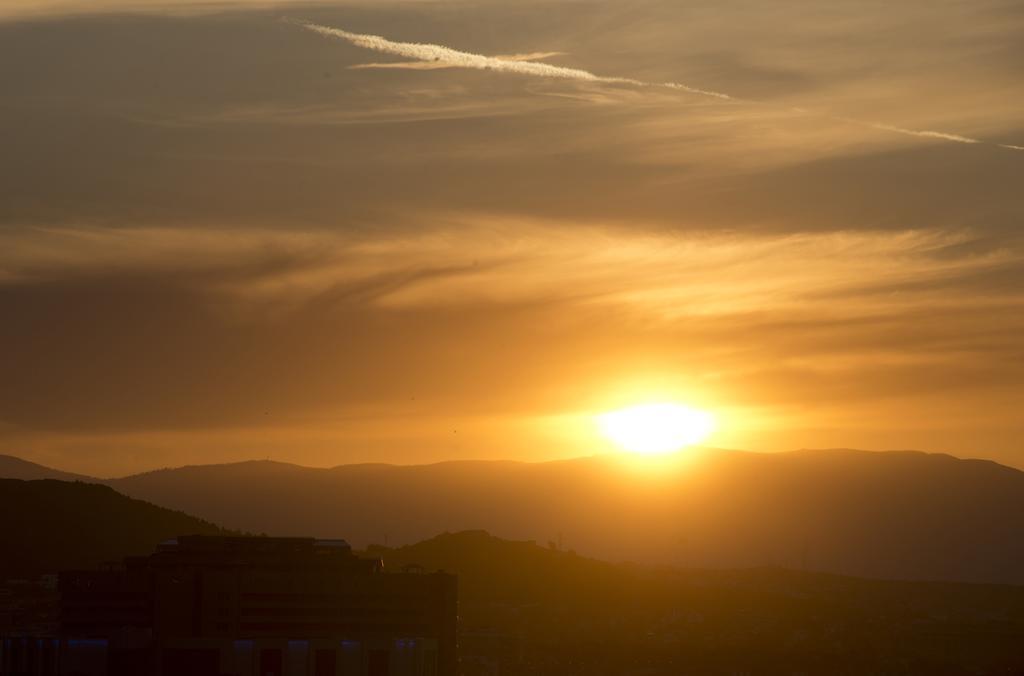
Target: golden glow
{"points": [[656, 429]]}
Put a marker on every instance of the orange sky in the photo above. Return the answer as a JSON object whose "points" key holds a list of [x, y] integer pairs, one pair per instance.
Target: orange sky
{"points": [[220, 241]]}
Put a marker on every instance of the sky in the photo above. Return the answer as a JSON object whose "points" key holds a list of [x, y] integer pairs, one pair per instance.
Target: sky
{"points": [[226, 236]]}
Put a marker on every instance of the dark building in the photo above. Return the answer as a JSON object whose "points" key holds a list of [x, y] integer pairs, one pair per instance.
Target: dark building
{"points": [[246, 606]]}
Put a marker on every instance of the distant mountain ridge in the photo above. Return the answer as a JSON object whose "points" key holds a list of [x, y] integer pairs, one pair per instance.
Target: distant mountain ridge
{"points": [[16, 468], [893, 515]]}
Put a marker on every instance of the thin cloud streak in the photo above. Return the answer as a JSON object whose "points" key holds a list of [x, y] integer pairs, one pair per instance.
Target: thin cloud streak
{"points": [[404, 65], [458, 59], [941, 135], [489, 260], [438, 54], [440, 65]]}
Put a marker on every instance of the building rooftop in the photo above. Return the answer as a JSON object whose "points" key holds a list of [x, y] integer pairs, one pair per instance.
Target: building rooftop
{"points": [[256, 552]]}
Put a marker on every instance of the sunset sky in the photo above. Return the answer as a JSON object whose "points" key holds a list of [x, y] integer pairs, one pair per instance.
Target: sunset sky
{"points": [[221, 240]]}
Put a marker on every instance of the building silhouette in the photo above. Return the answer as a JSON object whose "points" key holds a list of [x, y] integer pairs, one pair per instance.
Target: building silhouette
{"points": [[246, 606]]}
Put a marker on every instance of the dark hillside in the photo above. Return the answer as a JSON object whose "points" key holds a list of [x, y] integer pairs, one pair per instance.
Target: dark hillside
{"points": [[536, 610], [53, 525]]}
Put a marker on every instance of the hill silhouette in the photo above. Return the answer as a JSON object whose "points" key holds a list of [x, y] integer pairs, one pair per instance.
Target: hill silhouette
{"points": [[16, 468], [893, 515], [538, 610], [53, 525]]}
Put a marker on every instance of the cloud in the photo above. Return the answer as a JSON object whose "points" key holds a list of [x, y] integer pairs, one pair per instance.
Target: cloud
{"points": [[151, 331], [438, 65], [287, 257], [439, 56], [942, 136], [489, 259], [404, 65], [458, 59]]}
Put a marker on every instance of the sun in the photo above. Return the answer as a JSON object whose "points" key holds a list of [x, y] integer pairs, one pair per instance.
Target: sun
{"points": [[656, 429]]}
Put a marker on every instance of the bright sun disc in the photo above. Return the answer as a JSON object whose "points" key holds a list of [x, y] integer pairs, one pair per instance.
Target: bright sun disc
{"points": [[656, 429]]}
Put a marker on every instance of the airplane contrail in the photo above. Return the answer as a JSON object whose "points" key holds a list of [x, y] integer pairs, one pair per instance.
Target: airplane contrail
{"points": [[941, 135], [439, 65], [442, 56], [458, 59]]}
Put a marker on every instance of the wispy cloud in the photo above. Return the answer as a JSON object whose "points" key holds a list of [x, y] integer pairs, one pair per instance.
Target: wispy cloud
{"points": [[459, 59], [427, 56], [437, 65], [489, 259], [403, 65], [940, 135]]}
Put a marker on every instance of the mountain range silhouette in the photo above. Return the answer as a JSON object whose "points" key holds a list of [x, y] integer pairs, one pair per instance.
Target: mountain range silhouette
{"points": [[891, 515]]}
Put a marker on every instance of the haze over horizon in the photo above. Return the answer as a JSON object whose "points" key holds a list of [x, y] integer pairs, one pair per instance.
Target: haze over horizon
{"points": [[224, 237], [679, 462]]}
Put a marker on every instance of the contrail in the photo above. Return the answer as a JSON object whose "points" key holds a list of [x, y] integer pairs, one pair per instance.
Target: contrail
{"points": [[438, 65], [458, 59], [940, 135], [927, 134], [446, 57]]}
